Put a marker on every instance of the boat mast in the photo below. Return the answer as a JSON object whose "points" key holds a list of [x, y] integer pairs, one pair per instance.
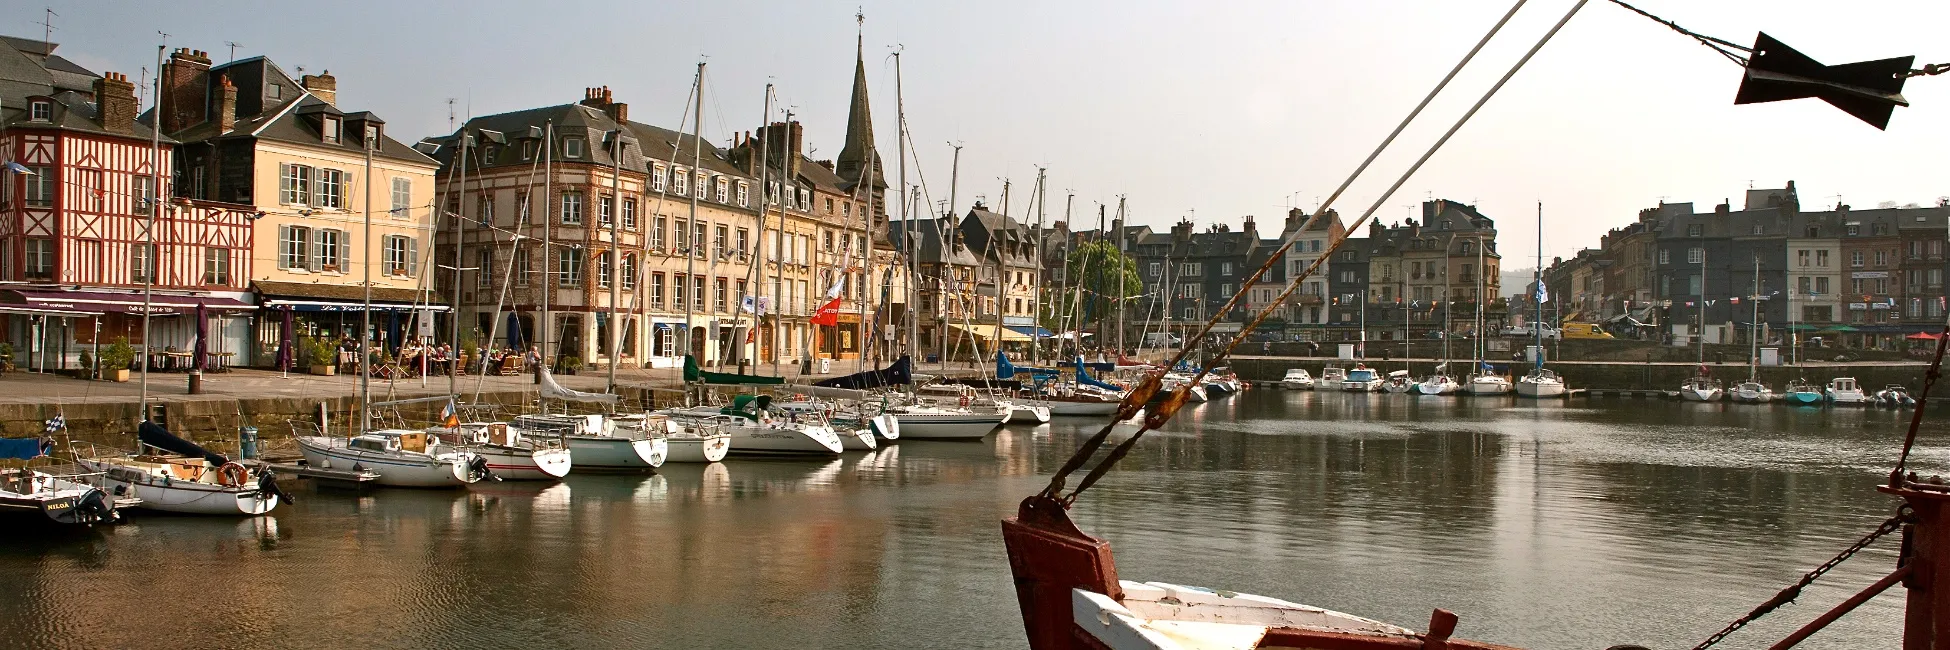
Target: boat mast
{"points": [[548, 278], [453, 376], [1699, 313], [909, 345], [365, 325], [155, 205], [756, 269], [1119, 302], [690, 226], [1753, 328], [860, 342], [614, 275], [780, 245], [1537, 328], [1036, 287], [1059, 315], [948, 232]]}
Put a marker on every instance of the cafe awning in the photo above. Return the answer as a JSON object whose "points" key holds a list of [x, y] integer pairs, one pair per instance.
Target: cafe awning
{"points": [[117, 302], [988, 332], [1031, 331], [298, 296]]}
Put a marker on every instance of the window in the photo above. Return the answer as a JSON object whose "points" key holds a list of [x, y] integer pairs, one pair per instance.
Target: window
{"points": [[828, 235], [1915, 249], [744, 194], [1348, 256], [657, 173], [40, 110], [274, 91], [744, 241], [1758, 229], [1856, 259], [402, 256], [142, 262], [1801, 258], [680, 182], [657, 232], [1854, 229], [294, 248], [629, 214], [528, 150], [678, 290], [603, 269], [198, 186], [140, 193], [484, 267], [294, 184], [484, 208], [719, 297], [772, 193], [39, 262], [1226, 269], [330, 130], [522, 269], [721, 240], [697, 292], [605, 210], [1190, 269], [331, 189], [1805, 283], [805, 199], [1882, 286], [1821, 258], [572, 147], [629, 272], [1855, 285], [572, 208], [697, 237], [1692, 285], [724, 190], [1821, 285], [1934, 278], [1696, 255], [403, 198], [330, 251], [1693, 230], [1881, 260], [568, 267], [829, 205], [216, 266], [657, 290]]}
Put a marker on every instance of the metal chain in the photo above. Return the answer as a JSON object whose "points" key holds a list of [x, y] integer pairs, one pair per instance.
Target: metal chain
{"points": [[1792, 592], [1932, 69]]}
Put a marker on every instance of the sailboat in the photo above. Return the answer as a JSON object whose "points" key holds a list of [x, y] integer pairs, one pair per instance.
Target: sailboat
{"points": [[1752, 391], [1438, 382], [1701, 387], [511, 455], [1800, 392], [40, 497], [755, 429], [192, 481], [1483, 379], [1540, 382], [595, 441]]}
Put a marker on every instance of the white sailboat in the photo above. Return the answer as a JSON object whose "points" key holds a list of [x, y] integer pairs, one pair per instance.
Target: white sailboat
{"points": [[755, 429], [1439, 383], [189, 481], [1540, 382], [684, 444], [400, 457], [510, 454], [1701, 388]]}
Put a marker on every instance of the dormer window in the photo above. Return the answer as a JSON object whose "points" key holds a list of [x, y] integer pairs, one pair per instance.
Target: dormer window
{"points": [[572, 147], [528, 150], [331, 130], [40, 110]]}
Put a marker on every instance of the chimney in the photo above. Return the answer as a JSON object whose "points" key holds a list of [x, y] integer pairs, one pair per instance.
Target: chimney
{"points": [[1250, 229], [322, 86], [186, 84], [226, 108], [1376, 230], [115, 101]]}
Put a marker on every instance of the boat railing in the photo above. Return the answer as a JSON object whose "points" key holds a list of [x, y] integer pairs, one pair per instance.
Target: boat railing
{"points": [[306, 428]]}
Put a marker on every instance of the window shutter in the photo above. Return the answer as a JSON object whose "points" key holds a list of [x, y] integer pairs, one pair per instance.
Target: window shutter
{"points": [[413, 256], [284, 245], [345, 251], [316, 262]]}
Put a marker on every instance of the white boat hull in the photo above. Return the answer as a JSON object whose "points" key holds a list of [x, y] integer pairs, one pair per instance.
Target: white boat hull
{"points": [[757, 439], [1290, 384], [182, 497], [1360, 385], [1062, 408], [614, 453], [523, 464], [1847, 397], [1489, 387], [1752, 397], [1691, 394], [857, 440], [947, 426], [394, 470], [1021, 413], [1527, 388], [1429, 388], [697, 449]]}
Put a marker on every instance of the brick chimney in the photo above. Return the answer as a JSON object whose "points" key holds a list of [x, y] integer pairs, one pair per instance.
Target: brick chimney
{"points": [[1249, 228], [226, 107], [115, 99], [186, 82], [323, 86]]}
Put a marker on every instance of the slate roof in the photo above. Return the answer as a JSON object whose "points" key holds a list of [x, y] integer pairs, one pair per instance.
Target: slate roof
{"points": [[928, 244], [286, 118], [998, 237], [643, 143], [28, 69]]}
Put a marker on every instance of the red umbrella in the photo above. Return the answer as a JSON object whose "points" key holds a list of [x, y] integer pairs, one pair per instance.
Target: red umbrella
{"points": [[1921, 336]]}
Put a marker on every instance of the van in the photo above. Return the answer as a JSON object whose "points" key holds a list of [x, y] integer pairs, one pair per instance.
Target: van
{"points": [[1584, 331]]}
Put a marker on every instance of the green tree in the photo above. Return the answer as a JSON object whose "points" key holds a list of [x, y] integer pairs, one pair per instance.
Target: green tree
{"points": [[1096, 266]]}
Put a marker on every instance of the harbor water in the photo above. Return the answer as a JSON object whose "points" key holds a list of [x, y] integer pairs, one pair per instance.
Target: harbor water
{"points": [[1562, 524]]}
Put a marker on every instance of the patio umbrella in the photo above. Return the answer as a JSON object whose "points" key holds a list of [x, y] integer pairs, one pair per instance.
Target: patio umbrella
{"points": [[1840, 329], [514, 332], [392, 331], [202, 353], [287, 357], [1921, 336]]}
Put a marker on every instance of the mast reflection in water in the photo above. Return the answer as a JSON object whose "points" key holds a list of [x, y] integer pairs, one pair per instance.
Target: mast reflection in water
{"points": [[1554, 525]]}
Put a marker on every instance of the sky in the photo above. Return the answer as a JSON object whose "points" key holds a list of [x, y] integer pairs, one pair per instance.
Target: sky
{"points": [[1204, 110]]}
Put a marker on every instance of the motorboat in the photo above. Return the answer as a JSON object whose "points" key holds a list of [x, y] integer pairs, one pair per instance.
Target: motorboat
{"points": [[1541, 382], [42, 497], [1843, 391], [190, 480], [1752, 392], [1330, 378], [683, 444], [1023, 411], [756, 429], [1801, 393], [1297, 379], [1397, 382], [1701, 388], [1221, 382], [1894, 396], [1361, 379], [1437, 384], [511, 455], [595, 443], [1488, 384], [399, 457]]}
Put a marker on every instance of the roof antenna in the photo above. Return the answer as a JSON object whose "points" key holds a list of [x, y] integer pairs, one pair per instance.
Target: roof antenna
{"points": [[47, 32], [233, 50], [450, 115]]}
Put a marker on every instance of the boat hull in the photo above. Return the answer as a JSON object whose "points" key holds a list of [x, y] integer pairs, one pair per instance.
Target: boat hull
{"points": [[393, 470], [858, 440], [1540, 388], [1803, 398], [767, 440], [613, 453], [1752, 397], [523, 464], [1361, 385], [181, 497], [1292, 384], [886, 426], [1847, 398], [1488, 388], [1429, 388], [1028, 414], [1691, 394], [697, 449], [956, 426], [1063, 409]]}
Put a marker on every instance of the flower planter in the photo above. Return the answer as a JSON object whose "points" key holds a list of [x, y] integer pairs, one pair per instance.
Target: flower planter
{"points": [[324, 370], [118, 374]]}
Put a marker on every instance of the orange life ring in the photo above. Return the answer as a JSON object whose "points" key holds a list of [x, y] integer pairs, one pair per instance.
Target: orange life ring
{"points": [[964, 400], [232, 475]]}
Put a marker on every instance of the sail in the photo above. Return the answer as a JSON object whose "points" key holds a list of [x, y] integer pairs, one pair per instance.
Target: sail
{"points": [[747, 406], [1084, 378], [899, 373], [555, 390], [153, 435], [694, 374], [1006, 370], [830, 393]]}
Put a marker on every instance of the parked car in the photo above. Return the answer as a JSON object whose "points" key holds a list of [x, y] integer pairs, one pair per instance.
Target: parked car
{"points": [[1529, 330]]}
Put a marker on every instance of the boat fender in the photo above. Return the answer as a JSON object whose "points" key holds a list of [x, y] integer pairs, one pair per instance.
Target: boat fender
{"points": [[232, 475]]}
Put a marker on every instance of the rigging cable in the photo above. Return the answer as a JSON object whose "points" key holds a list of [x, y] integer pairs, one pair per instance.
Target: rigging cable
{"points": [[1717, 45]]}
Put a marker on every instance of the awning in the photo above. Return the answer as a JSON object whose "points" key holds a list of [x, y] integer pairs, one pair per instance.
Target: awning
{"points": [[322, 305], [988, 332], [1031, 331], [299, 296], [104, 302], [1921, 336]]}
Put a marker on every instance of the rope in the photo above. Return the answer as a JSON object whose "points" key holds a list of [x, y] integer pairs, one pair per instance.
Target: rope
{"points": [[1792, 592], [1717, 45]]}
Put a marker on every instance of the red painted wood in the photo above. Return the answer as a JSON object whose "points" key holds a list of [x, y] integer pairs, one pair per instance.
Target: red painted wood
{"points": [[1049, 556]]}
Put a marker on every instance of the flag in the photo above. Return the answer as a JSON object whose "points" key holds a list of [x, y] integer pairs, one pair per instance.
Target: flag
{"points": [[1543, 293], [448, 417], [838, 286], [17, 168], [57, 423], [756, 305], [1734, 300], [828, 314]]}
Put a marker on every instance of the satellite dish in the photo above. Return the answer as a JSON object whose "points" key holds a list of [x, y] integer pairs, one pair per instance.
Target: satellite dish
{"points": [[1869, 90]]}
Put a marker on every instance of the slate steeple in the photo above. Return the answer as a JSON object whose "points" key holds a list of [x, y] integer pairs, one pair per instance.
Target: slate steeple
{"points": [[858, 152]]}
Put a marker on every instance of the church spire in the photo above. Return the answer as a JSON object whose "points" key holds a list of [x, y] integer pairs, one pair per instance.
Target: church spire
{"points": [[858, 152]]}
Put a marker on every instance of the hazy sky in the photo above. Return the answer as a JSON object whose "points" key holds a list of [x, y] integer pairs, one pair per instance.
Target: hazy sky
{"points": [[1223, 108]]}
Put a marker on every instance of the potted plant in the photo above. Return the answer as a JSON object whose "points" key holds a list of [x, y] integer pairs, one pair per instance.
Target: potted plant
{"points": [[116, 359], [322, 356], [87, 369], [570, 365]]}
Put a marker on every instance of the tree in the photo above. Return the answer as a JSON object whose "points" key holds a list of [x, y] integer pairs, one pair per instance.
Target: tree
{"points": [[1094, 266]]}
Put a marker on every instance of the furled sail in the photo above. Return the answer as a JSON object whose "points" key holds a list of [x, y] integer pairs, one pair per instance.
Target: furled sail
{"points": [[900, 373], [1006, 370], [694, 374], [1084, 378], [153, 435], [25, 448], [555, 390]]}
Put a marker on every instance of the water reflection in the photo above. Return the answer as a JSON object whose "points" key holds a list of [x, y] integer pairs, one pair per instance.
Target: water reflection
{"points": [[1545, 524]]}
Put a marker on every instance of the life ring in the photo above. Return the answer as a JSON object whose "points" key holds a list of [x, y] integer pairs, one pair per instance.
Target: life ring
{"points": [[232, 475], [964, 400]]}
